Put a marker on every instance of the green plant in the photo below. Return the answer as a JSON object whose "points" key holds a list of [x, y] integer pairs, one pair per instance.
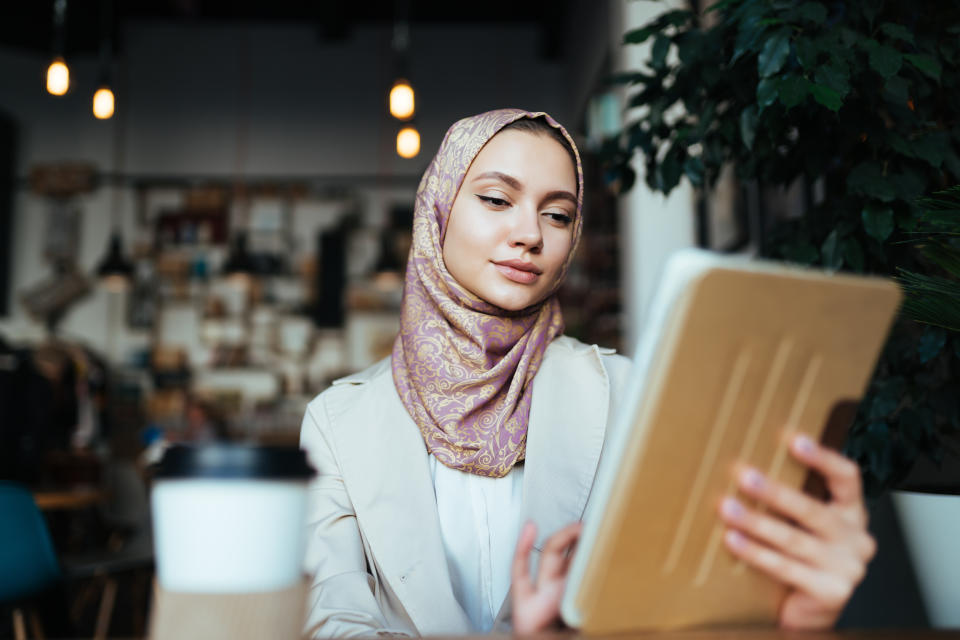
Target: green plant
{"points": [[858, 100]]}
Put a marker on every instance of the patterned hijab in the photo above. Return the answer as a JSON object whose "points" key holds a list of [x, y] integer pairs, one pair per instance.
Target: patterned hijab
{"points": [[464, 368]]}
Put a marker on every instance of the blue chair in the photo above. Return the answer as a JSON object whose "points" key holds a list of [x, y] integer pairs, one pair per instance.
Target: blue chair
{"points": [[28, 562]]}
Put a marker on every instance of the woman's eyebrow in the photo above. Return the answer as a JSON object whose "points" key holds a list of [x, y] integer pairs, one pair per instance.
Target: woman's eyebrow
{"points": [[503, 177], [560, 195]]}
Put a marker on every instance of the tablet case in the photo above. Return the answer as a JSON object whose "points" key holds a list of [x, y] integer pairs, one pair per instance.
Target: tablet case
{"points": [[737, 356]]}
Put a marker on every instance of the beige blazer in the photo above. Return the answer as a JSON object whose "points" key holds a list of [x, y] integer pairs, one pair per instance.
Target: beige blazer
{"points": [[374, 547]]}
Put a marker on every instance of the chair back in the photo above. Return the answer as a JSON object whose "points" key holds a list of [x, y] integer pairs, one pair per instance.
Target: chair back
{"points": [[28, 562]]}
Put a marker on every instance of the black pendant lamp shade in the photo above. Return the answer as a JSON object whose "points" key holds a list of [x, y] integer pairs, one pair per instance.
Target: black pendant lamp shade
{"points": [[239, 261], [114, 264]]}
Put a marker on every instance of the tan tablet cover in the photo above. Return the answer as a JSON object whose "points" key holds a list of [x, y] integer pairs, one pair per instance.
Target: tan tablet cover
{"points": [[746, 359]]}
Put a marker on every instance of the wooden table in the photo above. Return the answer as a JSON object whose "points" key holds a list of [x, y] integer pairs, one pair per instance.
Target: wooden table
{"points": [[72, 499], [757, 634]]}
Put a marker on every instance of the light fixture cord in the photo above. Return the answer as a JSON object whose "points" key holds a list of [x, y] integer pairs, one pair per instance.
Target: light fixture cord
{"points": [[106, 41], [59, 26]]}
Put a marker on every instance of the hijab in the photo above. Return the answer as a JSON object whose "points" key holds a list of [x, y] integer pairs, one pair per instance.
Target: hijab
{"points": [[463, 367]]}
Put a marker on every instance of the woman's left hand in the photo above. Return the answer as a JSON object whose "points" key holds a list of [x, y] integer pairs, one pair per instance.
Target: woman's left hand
{"points": [[819, 549]]}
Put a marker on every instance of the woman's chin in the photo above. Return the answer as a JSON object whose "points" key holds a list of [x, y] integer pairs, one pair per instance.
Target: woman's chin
{"points": [[512, 300]]}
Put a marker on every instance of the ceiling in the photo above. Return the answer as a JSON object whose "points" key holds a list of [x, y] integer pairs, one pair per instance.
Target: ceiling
{"points": [[28, 24]]}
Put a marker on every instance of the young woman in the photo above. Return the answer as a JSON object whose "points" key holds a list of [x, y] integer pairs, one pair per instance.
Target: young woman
{"points": [[444, 468]]}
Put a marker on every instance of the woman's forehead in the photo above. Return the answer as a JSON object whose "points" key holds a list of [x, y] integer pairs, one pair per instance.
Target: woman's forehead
{"points": [[526, 156]]}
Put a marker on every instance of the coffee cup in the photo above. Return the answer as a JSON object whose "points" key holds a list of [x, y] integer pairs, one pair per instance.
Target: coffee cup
{"points": [[229, 518]]}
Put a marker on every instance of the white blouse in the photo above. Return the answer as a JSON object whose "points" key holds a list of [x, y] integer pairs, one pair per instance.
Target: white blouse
{"points": [[479, 524]]}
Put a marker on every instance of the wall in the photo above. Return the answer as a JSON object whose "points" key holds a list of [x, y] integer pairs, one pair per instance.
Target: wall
{"points": [[653, 226]]}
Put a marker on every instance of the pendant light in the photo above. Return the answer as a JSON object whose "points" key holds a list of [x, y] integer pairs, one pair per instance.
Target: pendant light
{"points": [[402, 100], [103, 98], [115, 270], [239, 265], [58, 73], [408, 142]]}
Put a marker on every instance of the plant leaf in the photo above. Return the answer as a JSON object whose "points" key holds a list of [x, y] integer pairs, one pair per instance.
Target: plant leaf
{"points": [[673, 18], [658, 53], [866, 179], [834, 77], [896, 31], [931, 342], [812, 12], [830, 252], [807, 52], [852, 253], [792, 90], [693, 168], [945, 256], [766, 93], [748, 125], [826, 96], [884, 59], [898, 144], [877, 222], [926, 64], [774, 53], [932, 147]]}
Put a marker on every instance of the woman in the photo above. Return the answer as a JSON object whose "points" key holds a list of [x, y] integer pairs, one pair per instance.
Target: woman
{"points": [[485, 417]]}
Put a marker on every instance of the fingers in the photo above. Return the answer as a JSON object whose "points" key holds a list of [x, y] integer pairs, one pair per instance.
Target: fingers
{"points": [[830, 589], [810, 513], [520, 570], [842, 474], [772, 531], [795, 542], [555, 557]]}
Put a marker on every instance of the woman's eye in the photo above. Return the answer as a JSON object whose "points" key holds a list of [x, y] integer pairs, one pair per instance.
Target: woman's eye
{"points": [[497, 202], [562, 218]]}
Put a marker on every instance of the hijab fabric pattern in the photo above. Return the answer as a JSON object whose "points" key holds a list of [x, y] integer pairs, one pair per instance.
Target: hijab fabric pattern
{"points": [[464, 368]]}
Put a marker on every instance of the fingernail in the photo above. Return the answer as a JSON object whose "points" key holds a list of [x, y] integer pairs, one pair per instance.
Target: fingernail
{"points": [[804, 444], [732, 508], [735, 539], [753, 479]]}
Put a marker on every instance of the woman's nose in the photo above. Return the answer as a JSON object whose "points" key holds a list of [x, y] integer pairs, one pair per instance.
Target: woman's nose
{"points": [[526, 230]]}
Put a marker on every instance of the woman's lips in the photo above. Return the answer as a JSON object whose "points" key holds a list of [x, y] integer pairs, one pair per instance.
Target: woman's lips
{"points": [[517, 275]]}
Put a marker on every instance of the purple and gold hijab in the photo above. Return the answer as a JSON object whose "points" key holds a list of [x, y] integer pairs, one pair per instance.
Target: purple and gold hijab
{"points": [[464, 368]]}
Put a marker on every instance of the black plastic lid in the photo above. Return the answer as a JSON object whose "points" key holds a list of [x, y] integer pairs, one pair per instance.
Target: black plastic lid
{"points": [[234, 461]]}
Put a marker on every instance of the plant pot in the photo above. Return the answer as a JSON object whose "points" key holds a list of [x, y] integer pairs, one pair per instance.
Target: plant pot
{"points": [[930, 522]]}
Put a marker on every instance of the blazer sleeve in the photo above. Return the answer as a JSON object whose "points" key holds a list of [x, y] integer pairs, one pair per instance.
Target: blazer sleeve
{"points": [[342, 600]]}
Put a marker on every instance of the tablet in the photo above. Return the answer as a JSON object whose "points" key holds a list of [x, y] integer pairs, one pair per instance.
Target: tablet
{"points": [[737, 356]]}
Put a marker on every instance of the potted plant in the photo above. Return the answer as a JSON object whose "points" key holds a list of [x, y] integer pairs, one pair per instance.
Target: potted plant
{"points": [[931, 515], [857, 104]]}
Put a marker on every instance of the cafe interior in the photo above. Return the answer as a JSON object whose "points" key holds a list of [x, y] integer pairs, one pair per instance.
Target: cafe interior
{"points": [[205, 213]]}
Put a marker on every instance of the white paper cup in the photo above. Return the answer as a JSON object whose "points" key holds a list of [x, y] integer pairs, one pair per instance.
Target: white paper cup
{"points": [[230, 518]]}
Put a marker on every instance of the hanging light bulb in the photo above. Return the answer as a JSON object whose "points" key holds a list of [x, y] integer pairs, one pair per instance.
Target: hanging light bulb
{"points": [[103, 103], [58, 77], [408, 142], [402, 100], [58, 74]]}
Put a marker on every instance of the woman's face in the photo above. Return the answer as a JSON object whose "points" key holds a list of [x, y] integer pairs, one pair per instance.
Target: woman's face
{"points": [[511, 225]]}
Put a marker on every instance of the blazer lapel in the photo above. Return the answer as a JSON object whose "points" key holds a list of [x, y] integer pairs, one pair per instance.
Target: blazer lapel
{"points": [[384, 463], [568, 417]]}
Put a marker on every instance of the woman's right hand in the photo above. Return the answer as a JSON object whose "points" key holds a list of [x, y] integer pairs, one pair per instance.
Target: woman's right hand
{"points": [[536, 604]]}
